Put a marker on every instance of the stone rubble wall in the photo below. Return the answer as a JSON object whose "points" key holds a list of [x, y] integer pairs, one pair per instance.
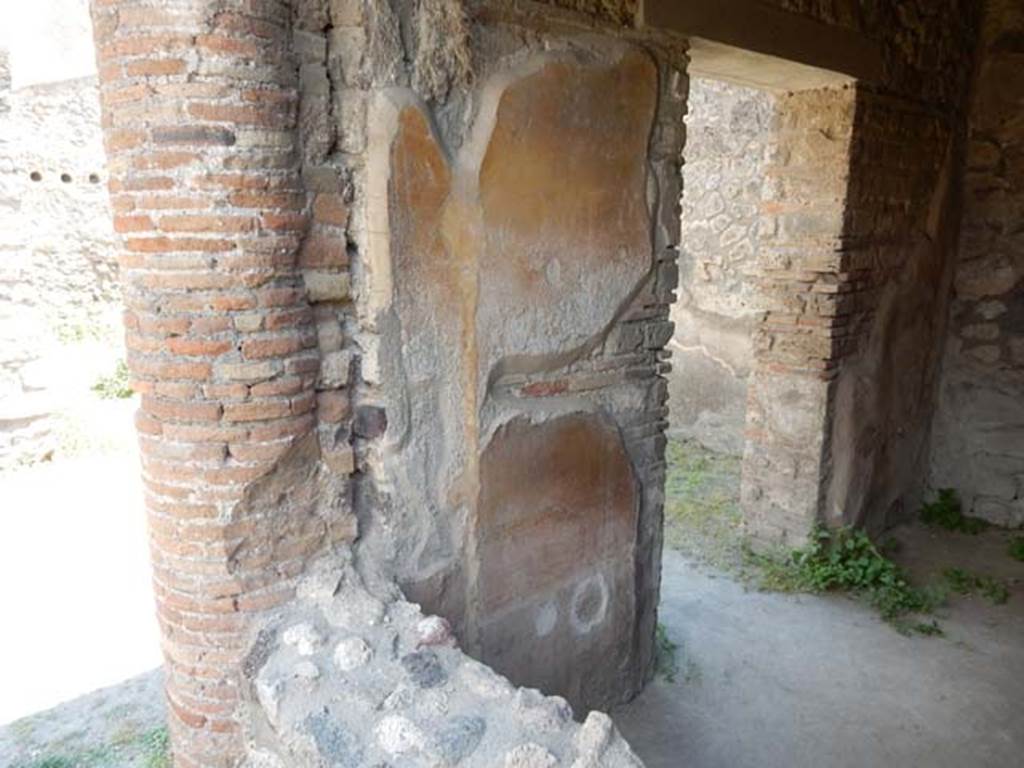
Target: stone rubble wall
{"points": [[247, 190], [978, 440], [348, 677], [730, 130], [58, 270]]}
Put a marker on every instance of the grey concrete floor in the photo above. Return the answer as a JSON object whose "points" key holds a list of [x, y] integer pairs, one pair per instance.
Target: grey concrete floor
{"points": [[771, 680]]}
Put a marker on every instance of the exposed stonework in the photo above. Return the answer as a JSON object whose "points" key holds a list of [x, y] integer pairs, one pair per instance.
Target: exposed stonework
{"points": [[803, 209], [235, 268], [616, 11], [900, 241], [728, 147], [978, 440], [352, 677]]}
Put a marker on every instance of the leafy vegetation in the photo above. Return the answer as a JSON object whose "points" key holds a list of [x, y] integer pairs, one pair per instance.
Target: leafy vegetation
{"points": [[846, 560], [946, 512], [156, 749], [116, 386], [666, 660], [964, 583], [1017, 548], [665, 664]]}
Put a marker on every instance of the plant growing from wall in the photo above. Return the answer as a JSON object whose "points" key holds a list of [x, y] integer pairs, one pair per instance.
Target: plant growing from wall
{"points": [[947, 512]]}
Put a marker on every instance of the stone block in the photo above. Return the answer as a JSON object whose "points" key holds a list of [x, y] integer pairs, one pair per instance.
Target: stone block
{"points": [[327, 286], [335, 368]]}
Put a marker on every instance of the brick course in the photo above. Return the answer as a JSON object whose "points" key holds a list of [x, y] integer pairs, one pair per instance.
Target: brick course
{"points": [[200, 106]]}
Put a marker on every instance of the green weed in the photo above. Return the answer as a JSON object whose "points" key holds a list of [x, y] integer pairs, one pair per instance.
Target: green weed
{"points": [[947, 512], [116, 386], [150, 750], [156, 749], [665, 664], [1017, 548], [702, 510], [846, 560], [928, 628], [964, 583]]}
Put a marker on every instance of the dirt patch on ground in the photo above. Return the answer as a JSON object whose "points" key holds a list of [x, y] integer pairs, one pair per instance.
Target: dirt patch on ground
{"points": [[702, 505], [117, 727]]}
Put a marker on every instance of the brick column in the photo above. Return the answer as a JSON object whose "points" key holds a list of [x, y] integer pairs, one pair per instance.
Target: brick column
{"points": [[199, 109]]}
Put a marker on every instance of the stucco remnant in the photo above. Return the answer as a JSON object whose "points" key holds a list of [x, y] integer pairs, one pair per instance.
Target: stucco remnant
{"points": [[512, 257], [558, 509], [344, 310]]}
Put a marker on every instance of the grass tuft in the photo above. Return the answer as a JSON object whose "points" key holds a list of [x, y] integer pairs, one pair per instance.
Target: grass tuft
{"points": [[149, 750], [964, 583]]}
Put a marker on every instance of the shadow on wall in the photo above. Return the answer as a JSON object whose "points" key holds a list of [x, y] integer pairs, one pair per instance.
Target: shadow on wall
{"points": [[978, 440], [899, 248]]}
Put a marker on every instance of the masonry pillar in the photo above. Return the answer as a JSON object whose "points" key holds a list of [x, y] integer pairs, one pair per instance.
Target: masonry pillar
{"points": [[199, 116], [805, 326]]}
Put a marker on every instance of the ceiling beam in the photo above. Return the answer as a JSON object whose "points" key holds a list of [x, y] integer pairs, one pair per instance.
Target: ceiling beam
{"points": [[752, 26]]}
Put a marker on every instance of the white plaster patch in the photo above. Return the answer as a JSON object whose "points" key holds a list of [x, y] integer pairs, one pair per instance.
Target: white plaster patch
{"points": [[483, 681], [530, 756], [547, 617], [269, 694], [589, 604]]}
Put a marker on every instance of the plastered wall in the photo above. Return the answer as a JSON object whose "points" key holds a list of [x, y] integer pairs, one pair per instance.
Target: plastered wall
{"points": [[523, 303]]}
